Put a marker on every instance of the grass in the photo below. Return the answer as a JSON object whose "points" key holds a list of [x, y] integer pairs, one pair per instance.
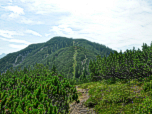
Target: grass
{"points": [[130, 97]]}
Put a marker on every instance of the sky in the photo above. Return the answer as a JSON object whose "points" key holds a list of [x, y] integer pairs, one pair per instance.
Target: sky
{"points": [[117, 24]]}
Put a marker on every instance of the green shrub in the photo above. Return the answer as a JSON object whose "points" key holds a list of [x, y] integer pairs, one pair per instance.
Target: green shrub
{"points": [[145, 107], [147, 86]]}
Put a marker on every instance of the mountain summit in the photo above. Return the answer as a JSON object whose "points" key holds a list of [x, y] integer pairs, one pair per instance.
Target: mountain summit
{"points": [[70, 56]]}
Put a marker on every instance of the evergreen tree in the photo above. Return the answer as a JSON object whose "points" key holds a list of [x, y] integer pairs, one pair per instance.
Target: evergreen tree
{"points": [[83, 76], [93, 66], [54, 69], [76, 72], [80, 70], [25, 70]]}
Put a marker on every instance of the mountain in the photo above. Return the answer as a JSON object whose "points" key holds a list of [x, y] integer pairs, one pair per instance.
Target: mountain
{"points": [[70, 56], [2, 55]]}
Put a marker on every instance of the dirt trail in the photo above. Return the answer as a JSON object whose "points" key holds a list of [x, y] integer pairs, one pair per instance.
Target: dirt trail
{"points": [[80, 108]]}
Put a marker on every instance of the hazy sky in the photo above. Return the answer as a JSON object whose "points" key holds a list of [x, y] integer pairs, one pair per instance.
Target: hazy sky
{"points": [[118, 24]]}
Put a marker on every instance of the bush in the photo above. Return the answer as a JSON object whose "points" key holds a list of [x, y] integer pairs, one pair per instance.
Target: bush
{"points": [[145, 107], [147, 86]]}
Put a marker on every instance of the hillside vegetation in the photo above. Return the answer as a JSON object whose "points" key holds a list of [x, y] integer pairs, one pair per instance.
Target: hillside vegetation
{"points": [[120, 83], [68, 55]]}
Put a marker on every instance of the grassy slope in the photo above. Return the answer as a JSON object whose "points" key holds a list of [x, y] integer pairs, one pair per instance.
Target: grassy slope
{"points": [[108, 98]]}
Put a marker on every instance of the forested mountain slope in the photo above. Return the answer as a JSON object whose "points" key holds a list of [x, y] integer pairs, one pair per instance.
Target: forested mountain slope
{"points": [[70, 56]]}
